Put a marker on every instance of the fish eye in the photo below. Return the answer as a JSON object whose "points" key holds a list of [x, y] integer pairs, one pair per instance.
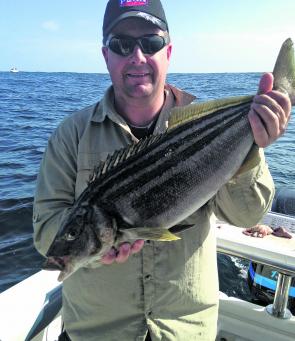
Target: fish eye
{"points": [[72, 235]]}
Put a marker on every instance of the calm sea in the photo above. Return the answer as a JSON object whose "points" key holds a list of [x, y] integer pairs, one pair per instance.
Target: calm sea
{"points": [[33, 104]]}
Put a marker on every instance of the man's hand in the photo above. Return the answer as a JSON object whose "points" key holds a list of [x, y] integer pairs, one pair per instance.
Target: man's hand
{"points": [[125, 250], [269, 113]]}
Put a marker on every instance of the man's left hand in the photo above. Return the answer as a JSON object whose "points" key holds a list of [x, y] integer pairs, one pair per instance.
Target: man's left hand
{"points": [[122, 254], [269, 113]]}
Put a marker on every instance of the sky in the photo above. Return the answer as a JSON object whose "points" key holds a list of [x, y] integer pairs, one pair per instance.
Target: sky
{"points": [[207, 36]]}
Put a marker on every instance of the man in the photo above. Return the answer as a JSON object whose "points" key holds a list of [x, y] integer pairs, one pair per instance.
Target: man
{"points": [[164, 291]]}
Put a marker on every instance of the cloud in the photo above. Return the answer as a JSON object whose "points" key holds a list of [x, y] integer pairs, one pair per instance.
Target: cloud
{"points": [[50, 25]]}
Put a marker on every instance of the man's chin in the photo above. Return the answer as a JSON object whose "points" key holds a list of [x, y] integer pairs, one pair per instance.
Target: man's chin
{"points": [[140, 90]]}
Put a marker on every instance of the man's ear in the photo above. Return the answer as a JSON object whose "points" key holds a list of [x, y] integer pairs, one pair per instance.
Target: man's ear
{"points": [[169, 51], [105, 53]]}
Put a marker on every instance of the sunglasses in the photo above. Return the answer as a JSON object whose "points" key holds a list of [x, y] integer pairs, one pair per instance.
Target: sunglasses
{"points": [[124, 45]]}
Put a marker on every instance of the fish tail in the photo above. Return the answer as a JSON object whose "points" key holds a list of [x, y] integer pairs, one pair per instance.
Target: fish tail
{"points": [[284, 70]]}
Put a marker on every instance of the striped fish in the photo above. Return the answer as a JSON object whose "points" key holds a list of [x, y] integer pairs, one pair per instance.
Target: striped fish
{"points": [[146, 190]]}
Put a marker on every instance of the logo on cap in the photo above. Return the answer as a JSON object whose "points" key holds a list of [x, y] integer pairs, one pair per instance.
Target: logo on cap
{"points": [[126, 3]]}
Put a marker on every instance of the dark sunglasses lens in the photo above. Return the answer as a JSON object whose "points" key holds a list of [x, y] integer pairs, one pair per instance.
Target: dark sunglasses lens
{"points": [[122, 46], [152, 44]]}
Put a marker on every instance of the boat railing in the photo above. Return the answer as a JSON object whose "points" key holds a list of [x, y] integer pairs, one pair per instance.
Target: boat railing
{"points": [[278, 253]]}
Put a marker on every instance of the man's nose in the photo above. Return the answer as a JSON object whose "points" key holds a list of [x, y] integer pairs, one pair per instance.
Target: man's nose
{"points": [[137, 56]]}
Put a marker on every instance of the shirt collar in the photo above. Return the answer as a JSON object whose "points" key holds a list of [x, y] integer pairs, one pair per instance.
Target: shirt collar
{"points": [[181, 97], [106, 108]]}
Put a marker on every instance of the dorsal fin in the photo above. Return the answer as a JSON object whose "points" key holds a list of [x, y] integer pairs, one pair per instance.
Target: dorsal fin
{"points": [[181, 115], [121, 155]]}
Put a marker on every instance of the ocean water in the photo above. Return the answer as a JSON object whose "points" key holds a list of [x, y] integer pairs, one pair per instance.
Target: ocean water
{"points": [[31, 107]]}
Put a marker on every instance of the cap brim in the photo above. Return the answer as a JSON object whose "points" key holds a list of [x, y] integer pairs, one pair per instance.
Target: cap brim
{"points": [[140, 15]]}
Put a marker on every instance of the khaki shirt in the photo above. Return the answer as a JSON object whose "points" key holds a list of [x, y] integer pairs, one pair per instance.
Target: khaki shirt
{"points": [[170, 288]]}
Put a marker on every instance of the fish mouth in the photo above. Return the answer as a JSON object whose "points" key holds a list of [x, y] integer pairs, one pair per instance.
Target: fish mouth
{"points": [[56, 263], [62, 264]]}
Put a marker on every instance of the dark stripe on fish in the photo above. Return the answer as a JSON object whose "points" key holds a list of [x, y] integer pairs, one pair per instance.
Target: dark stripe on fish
{"points": [[194, 144]]}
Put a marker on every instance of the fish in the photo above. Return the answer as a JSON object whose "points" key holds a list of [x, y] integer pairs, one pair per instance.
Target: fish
{"points": [[146, 190]]}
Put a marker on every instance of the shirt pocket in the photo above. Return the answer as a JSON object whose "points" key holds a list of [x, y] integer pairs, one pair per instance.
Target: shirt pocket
{"points": [[86, 164]]}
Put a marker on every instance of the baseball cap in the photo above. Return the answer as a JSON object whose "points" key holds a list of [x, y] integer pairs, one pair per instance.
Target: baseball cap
{"points": [[149, 10]]}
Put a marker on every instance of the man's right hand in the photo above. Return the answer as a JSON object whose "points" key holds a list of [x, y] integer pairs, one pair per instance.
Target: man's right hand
{"points": [[121, 255]]}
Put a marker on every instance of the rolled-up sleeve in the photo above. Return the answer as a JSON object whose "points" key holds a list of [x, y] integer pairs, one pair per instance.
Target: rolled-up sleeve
{"points": [[248, 195], [55, 188]]}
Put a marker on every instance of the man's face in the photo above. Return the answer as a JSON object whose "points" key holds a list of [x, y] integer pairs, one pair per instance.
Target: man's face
{"points": [[137, 75]]}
